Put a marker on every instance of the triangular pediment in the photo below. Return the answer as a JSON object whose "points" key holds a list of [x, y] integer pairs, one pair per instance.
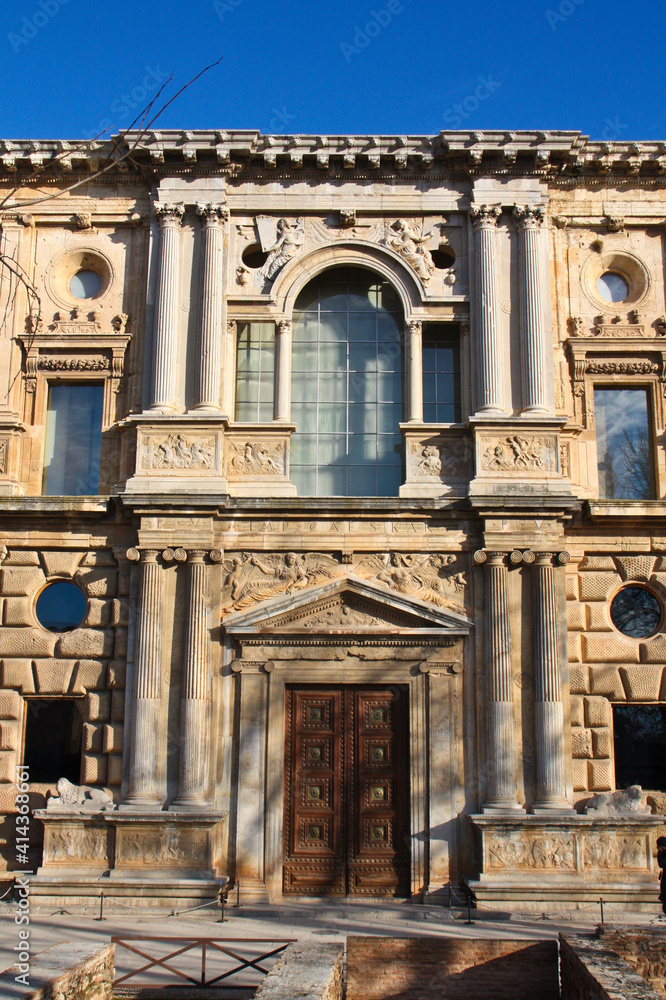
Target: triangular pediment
{"points": [[348, 605]]}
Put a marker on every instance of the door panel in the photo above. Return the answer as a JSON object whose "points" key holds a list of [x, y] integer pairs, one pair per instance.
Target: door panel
{"points": [[346, 792]]}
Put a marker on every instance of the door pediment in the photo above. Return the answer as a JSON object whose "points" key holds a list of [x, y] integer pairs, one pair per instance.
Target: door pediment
{"points": [[347, 606]]}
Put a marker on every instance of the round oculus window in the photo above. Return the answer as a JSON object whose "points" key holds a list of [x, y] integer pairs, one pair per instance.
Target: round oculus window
{"points": [[61, 606], [612, 287], [85, 284], [636, 612]]}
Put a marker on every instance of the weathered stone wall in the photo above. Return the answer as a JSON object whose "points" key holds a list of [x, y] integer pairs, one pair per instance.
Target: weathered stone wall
{"points": [[590, 970], [308, 971], [424, 968], [67, 971], [644, 949]]}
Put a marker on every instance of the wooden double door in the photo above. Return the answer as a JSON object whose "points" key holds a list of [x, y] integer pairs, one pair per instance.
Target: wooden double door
{"points": [[347, 791]]}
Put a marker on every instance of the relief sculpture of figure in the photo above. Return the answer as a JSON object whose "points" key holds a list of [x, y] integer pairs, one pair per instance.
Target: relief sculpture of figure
{"points": [[406, 240], [289, 242]]}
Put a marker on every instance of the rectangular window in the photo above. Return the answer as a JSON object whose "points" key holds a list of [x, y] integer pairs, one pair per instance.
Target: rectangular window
{"points": [[255, 371], [73, 440], [640, 746], [624, 444], [53, 733], [441, 373]]}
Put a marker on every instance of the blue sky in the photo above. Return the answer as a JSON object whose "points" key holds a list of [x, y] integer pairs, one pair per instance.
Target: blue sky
{"points": [[71, 68]]}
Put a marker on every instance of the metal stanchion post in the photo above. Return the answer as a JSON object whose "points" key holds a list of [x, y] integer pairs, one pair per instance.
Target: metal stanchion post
{"points": [[101, 907], [469, 911], [601, 904]]}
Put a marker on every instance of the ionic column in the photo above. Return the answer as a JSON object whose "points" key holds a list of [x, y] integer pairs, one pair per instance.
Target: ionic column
{"points": [[165, 345], [548, 707], [414, 359], [489, 352], [195, 697], [501, 787], [282, 409], [532, 329], [229, 368], [212, 218], [144, 746]]}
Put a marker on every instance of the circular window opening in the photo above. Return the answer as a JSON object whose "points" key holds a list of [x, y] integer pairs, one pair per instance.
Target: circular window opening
{"points": [[85, 284], [612, 287], [254, 257], [636, 612], [61, 607], [443, 258]]}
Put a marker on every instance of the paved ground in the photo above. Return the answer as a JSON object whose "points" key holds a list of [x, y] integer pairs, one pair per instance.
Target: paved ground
{"points": [[323, 921]]}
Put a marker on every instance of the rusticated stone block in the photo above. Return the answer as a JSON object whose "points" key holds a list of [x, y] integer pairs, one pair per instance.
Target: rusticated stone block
{"points": [[594, 563], [94, 769], [571, 584], [98, 706], [573, 647], [642, 683], [86, 642], [576, 620], [117, 706], [654, 651], [21, 557], [99, 612], [576, 713], [26, 642], [99, 557], [579, 775], [120, 612], [89, 675], [120, 646], [7, 765], [600, 777], [10, 705], [597, 712], [8, 798], [21, 582], [601, 742], [117, 672], [598, 619], [60, 562], [18, 674], [8, 734], [92, 737], [605, 679], [578, 678], [53, 676], [635, 567], [611, 648], [581, 742], [597, 586], [98, 582], [113, 739], [18, 611], [124, 579], [114, 770]]}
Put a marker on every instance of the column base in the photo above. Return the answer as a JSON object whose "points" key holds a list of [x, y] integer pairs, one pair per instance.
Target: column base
{"points": [[141, 804], [553, 809], [503, 806], [190, 804]]}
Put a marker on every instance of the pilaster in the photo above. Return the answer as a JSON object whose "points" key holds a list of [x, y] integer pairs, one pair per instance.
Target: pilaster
{"points": [[532, 328], [165, 344], [489, 351], [212, 218]]}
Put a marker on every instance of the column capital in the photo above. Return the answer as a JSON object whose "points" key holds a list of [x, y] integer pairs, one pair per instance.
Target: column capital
{"points": [[169, 214], [232, 327], [528, 216], [484, 216], [544, 558], [414, 327], [212, 215], [283, 326], [488, 558], [197, 556]]}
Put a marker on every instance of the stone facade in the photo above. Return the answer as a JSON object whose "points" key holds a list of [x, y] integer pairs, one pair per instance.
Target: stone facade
{"points": [[480, 588]]}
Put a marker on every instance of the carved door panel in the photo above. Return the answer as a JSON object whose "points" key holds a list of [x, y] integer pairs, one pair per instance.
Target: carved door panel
{"points": [[346, 792]]}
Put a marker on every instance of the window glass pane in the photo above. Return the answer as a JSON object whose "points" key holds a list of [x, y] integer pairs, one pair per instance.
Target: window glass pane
{"points": [[73, 440], [388, 417], [255, 371], [333, 297], [333, 327], [363, 479], [332, 481], [624, 447], [304, 478], [304, 449], [363, 448], [640, 746], [389, 387], [362, 387], [305, 357], [363, 357], [362, 418], [389, 480], [441, 373], [387, 328], [332, 357], [333, 387], [61, 606], [389, 449], [332, 417], [363, 328], [305, 327]]}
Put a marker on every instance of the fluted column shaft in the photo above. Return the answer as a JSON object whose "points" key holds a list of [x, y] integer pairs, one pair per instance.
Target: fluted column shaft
{"points": [[213, 218], [165, 345], [282, 409], [501, 787], [489, 352], [532, 327], [144, 746], [195, 697], [414, 331], [548, 707]]}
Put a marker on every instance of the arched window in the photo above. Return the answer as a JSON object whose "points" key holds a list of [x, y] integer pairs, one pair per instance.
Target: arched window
{"points": [[347, 386]]}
